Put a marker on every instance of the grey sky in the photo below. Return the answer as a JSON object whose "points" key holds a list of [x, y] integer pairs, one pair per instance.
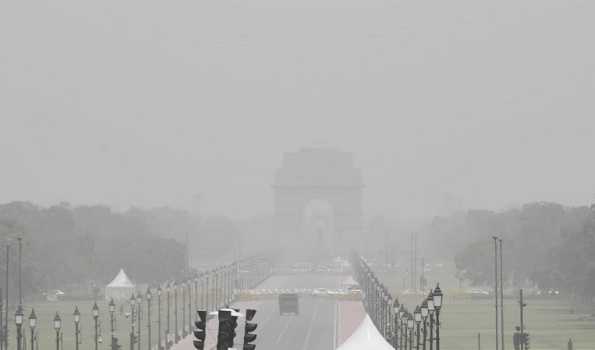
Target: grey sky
{"points": [[446, 104]]}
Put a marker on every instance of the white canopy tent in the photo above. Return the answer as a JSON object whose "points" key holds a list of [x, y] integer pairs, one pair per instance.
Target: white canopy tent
{"points": [[120, 288], [366, 337]]}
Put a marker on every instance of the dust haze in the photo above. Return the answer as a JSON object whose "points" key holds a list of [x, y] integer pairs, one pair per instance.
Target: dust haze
{"points": [[168, 138]]}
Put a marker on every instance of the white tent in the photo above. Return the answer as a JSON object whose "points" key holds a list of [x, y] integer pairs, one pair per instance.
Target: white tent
{"points": [[366, 337], [120, 288]]}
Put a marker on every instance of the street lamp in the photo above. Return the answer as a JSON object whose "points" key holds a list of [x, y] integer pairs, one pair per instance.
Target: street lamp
{"points": [[431, 310], [32, 324], [149, 296], [77, 320], [96, 319], [404, 331], [18, 319], [57, 328], [396, 323], [410, 328], [132, 320], [402, 313], [417, 318], [437, 297], [139, 301], [424, 316], [112, 310]]}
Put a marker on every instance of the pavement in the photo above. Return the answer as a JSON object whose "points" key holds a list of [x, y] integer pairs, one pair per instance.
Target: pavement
{"points": [[322, 324]]}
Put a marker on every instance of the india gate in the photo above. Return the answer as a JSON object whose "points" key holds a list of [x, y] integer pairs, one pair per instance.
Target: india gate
{"points": [[318, 202]]}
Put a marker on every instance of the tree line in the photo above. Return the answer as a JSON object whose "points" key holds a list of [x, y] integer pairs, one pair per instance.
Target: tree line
{"points": [[77, 247], [546, 245]]}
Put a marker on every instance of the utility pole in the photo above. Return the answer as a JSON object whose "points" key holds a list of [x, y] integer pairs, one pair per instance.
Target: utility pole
{"points": [[5, 330], [496, 290], [501, 298], [20, 240]]}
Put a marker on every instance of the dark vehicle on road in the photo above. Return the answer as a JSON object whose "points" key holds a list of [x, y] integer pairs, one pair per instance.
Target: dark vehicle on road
{"points": [[289, 304]]}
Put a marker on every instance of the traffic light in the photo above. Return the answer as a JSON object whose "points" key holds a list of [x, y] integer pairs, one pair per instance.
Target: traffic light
{"points": [[227, 326], [526, 341], [200, 332], [249, 327]]}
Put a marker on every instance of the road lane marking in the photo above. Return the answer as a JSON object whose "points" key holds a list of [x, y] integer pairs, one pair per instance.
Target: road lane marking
{"points": [[284, 330], [309, 332]]}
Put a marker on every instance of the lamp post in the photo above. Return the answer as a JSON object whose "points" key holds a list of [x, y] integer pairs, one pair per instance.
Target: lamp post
{"points": [[189, 284], [410, 328], [32, 324], [112, 310], [77, 319], [139, 301], [57, 328], [132, 316], [424, 316], [159, 291], [18, 318], [96, 319], [402, 313], [149, 297], [431, 311], [396, 320], [437, 296], [417, 319]]}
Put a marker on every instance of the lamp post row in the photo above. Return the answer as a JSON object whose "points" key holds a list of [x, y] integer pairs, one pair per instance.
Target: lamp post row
{"points": [[217, 289], [397, 325]]}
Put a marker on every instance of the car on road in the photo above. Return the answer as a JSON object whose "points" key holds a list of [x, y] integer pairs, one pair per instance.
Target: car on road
{"points": [[289, 304]]}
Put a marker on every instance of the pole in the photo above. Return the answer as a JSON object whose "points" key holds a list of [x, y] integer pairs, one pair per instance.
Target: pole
{"points": [[478, 341], [57, 339], [76, 336], [96, 333], [501, 299], [176, 313], [425, 333], [112, 328], [132, 315], [19, 337], [431, 331], [417, 336], [7, 302], [183, 309], [159, 320], [20, 240], [521, 306], [148, 323], [168, 329], [189, 307], [32, 338], [496, 290], [1, 320], [437, 329], [139, 328]]}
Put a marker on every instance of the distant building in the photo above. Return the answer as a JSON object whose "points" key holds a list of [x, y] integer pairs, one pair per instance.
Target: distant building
{"points": [[318, 202]]}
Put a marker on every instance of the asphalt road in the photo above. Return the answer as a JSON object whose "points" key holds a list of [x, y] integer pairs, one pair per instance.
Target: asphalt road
{"points": [[313, 329]]}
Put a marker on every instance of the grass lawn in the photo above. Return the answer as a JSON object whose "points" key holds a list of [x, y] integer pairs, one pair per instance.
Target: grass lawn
{"points": [[549, 321]]}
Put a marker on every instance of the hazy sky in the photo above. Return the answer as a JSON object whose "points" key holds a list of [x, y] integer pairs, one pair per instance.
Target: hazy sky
{"points": [[446, 104]]}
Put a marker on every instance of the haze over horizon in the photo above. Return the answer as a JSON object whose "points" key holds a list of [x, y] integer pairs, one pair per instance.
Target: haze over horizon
{"points": [[445, 105]]}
